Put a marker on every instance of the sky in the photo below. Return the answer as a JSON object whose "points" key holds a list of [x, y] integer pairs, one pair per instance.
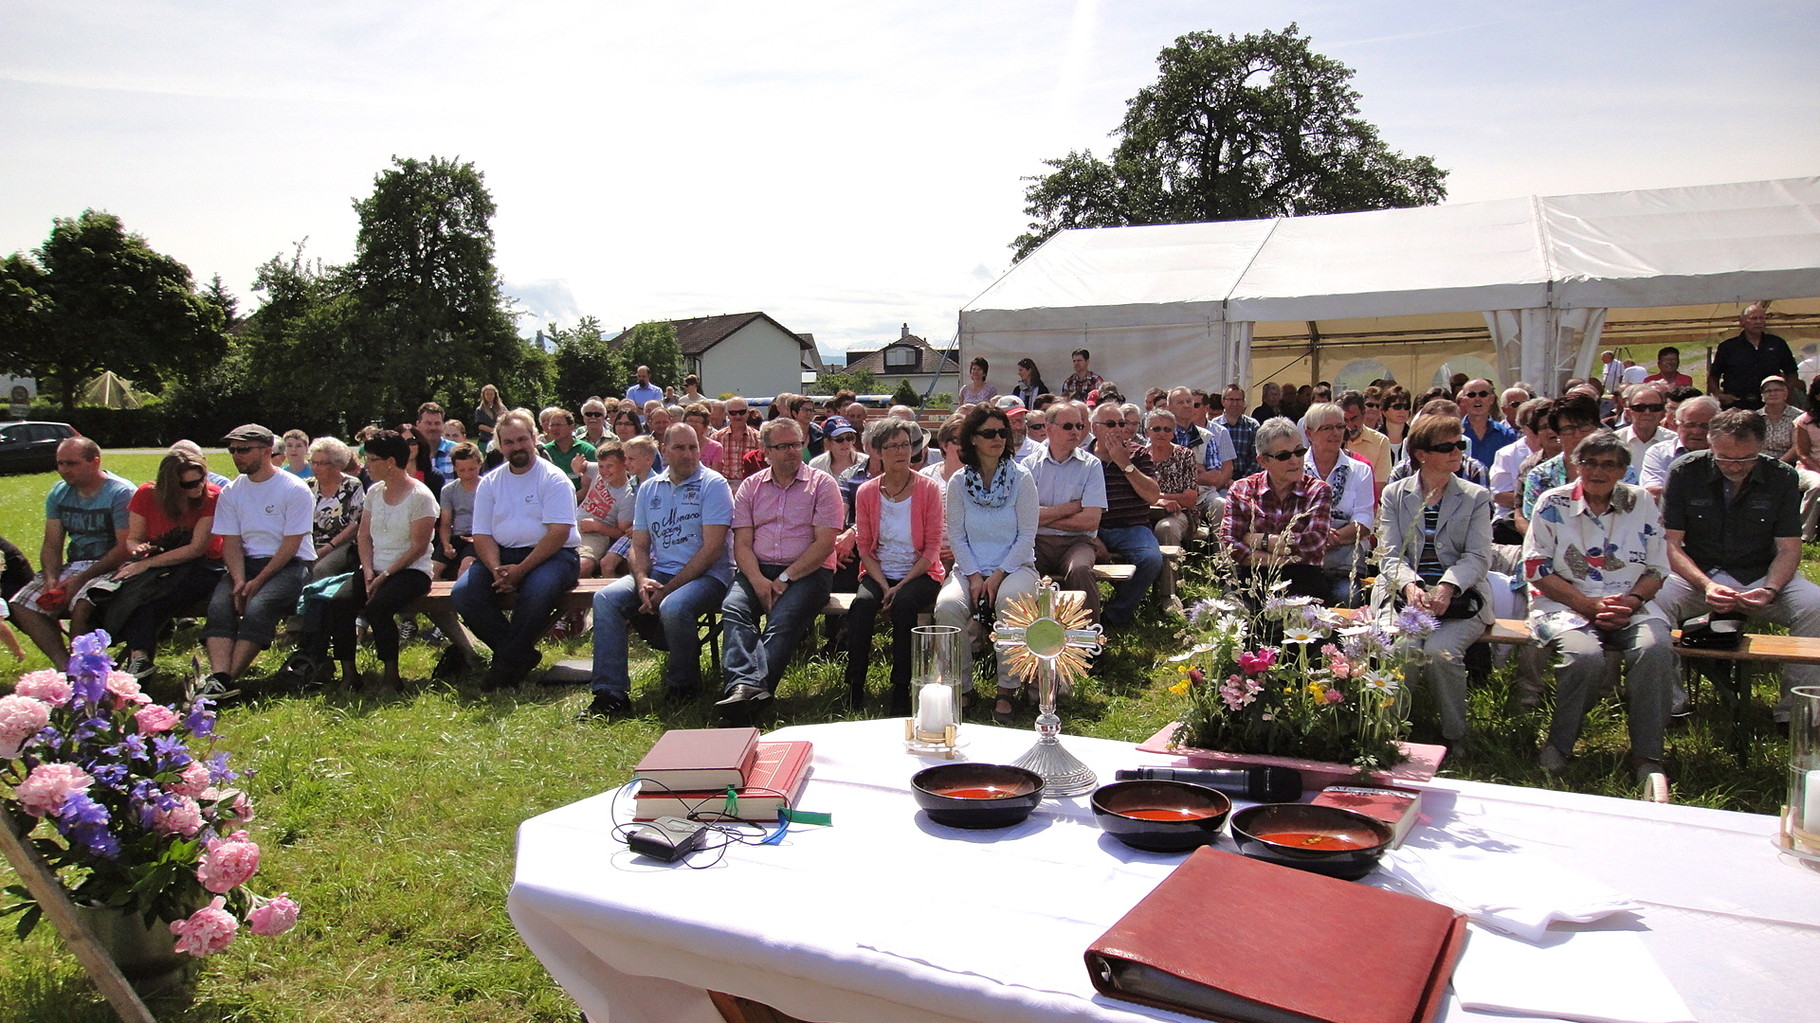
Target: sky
{"points": [[846, 167]]}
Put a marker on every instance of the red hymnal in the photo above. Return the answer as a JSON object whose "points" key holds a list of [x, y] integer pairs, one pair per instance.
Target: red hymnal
{"points": [[699, 758], [1397, 807], [777, 778], [1281, 952]]}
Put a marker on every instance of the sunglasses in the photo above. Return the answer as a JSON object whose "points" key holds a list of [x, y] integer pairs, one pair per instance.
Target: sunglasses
{"points": [[996, 433], [1033, 427], [594, 415], [1647, 406], [237, 450], [1071, 426], [1284, 456], [1476, 394], [1374, 404], [1401, 406], [1448, 446], [193, 484], [1162, 429]]}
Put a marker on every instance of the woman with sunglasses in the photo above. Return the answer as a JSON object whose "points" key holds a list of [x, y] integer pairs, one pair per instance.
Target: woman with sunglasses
{"points": [[897, 515], [1434, 549], [1276, 522], [1396, 419], [176, 558], [992, 514]]}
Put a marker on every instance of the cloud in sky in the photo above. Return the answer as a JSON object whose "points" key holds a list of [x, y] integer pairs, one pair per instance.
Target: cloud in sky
{"points": [[845, 167]]}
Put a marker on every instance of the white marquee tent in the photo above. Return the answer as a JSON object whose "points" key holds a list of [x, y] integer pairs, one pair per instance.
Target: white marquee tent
{"points": [[1537, 281]]}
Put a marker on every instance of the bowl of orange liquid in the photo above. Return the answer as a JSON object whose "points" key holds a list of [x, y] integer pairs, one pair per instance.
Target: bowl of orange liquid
{"points": [[1161, 816], [968, 795], [1323, 839]]}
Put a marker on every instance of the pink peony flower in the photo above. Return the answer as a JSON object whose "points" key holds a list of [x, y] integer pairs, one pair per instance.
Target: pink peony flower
{"points": [[207, 931], [274, 916], [228, 863], [230, 804], [42, 793], [47, 685], [185, 818], [193, 783], [1262, 661], [20, 718], [1334, 696], [125, 688], [155, 718]]}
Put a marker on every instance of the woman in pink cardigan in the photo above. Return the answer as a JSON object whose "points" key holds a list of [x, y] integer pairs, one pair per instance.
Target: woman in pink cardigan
{"points": [[898, 516]]}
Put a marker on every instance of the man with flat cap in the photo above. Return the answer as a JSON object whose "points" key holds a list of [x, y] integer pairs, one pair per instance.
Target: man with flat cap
{"points": [[264, 519]]}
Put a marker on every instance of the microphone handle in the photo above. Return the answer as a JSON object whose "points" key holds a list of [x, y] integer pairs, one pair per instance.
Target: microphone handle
{"points": [[1265, 784]]}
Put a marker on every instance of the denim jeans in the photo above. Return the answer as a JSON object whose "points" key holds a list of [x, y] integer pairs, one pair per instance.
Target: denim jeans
{"points": [[613, 610], [1136, 544], [755, 656], [514, 640]]}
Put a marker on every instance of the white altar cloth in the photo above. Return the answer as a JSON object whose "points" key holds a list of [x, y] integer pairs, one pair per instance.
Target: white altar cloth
{"points": [[887, 917]]}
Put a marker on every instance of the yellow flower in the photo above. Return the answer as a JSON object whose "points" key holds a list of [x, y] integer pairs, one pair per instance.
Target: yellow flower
{"points": [[1317, 690], [1180, 688]]}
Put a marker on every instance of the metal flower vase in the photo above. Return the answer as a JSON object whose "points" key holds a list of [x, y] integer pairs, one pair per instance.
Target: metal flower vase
{"points": [[1049, 639]]}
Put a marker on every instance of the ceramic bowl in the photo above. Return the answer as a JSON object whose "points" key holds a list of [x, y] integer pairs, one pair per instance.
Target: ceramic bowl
{"points": [[1323, 839], [970, 795], [1161, 816]]}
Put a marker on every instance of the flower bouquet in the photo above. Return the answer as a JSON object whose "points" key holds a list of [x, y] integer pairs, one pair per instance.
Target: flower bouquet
{"points": [[1327, 688], [128, 806]]}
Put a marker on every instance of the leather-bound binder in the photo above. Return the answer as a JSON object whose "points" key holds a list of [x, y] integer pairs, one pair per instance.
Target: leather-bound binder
{"points": [[1225, 937]]}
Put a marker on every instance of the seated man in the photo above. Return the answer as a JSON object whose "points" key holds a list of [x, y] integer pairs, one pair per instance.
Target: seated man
{"points": [[679, 571], [785, 517], [525, 543], [1733, 520], [1071, 493], [1131, 489], [264, 519], [88, 509], [1581, 611]]}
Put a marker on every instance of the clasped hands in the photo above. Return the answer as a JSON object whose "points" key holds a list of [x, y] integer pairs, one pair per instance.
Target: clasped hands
{"points": [[1724, 599]]}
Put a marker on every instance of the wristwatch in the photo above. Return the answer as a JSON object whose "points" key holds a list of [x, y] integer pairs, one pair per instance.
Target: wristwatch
{"points": [[784, 577], [1130, 467]]}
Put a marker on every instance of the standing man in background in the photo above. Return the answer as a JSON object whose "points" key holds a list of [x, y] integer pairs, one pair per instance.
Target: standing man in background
{"points": [[1738, 367]]}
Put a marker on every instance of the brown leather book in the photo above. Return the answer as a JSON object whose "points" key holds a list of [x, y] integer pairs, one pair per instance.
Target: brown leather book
{"points": [[1225, 937], [692, 759]]}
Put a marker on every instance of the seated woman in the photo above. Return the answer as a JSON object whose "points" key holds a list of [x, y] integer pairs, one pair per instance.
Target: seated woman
{"points": [[338, 499], [992, 513], [898, 515], [1275, 522], [1580, 611], [1178, 510], [176, 562], [395, 533], [1354, 511], [1434, 548]]}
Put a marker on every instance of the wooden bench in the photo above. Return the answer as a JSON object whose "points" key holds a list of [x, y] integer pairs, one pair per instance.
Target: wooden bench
{"points": [[1118, 571]]}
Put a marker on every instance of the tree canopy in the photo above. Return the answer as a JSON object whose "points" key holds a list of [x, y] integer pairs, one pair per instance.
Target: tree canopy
{"points": [[1234, 128], [654, 345], [94, 297], [585, 363]]}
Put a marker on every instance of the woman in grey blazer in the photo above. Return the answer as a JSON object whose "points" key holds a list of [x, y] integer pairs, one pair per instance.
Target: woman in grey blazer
{"points": [[1434, 546]]}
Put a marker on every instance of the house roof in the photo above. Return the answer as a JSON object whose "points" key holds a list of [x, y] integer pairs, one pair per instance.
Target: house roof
{"points": [[700, 333], [875, 360]]}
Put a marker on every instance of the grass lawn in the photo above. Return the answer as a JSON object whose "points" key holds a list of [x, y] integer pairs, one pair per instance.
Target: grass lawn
{"points": [[392, 821]]}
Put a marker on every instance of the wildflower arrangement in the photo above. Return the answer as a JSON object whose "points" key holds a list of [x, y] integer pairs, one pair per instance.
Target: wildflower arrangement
{"points": [[1297, 679], [128, 805]]}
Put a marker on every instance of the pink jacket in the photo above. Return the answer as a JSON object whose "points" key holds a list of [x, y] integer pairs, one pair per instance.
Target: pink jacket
{"points": [[926, 513]]}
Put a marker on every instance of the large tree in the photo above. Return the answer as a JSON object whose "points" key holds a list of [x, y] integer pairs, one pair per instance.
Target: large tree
{"points": [[654, 345], [1235, 128], [586, 363], [94, 297]]}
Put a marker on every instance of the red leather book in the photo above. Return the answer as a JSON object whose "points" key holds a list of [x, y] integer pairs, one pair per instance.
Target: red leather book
{"points": [[776, 779], [1225, 937], [1397, 807], [699, 758]]}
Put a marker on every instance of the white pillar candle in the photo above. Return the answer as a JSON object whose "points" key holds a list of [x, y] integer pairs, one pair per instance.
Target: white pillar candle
{"points": [[1810, 804], [935, 709]]}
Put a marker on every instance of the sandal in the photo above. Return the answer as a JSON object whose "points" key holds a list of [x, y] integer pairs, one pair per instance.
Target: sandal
{"points": [[1007, 699]]}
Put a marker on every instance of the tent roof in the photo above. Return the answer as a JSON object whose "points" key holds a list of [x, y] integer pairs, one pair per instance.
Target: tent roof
{"points": [[1639, 248]]}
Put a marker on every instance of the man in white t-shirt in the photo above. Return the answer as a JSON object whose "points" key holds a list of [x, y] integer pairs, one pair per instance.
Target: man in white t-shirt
{"points": [[264, 518], [525, 543]]}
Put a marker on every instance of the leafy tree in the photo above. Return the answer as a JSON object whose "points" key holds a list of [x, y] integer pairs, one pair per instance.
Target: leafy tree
{"points": [[94, 297], [859, 381], [653, 344], [906, 395], [585, 362], [1234, 128], [221, 298]]}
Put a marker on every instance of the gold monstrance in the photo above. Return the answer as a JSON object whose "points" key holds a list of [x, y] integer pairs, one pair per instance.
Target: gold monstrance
{"points": [[1049, 638]]}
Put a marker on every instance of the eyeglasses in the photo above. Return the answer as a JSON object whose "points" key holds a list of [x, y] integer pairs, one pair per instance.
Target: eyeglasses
{"points": [[192, 484], [1448, 446], [1646, 406], [1735, 461], [1071, 426], [1162, 429], [1034, 427], [783, 447], [1109, 422], [1284, 456], [1476, 394], [896, 445], [845, 438], [1330, 426], [1576, 428], [235, 450], [1602, 464], [996, 433], [594, 415], [1400, 406], [1374, 404]]}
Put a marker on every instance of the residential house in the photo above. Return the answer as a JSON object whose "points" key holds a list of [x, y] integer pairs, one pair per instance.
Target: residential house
{"points": [[745, 353], [929, 370]]}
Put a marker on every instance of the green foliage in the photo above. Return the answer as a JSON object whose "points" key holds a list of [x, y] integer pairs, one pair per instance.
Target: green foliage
{"points": [[94, 297], [906, 395], [1234, 128], [653, 344], [586, 363], [859, 381]]}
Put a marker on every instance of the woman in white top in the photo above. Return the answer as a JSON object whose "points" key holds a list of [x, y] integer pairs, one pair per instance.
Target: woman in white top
{"points": [[395, 532], [1354, 510]]}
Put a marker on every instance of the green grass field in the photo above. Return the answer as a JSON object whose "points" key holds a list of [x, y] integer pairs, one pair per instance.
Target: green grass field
{"points": [[392, 821]]}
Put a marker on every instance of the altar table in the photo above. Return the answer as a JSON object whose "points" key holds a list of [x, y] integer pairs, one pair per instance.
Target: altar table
{"points": [[887, 917]]}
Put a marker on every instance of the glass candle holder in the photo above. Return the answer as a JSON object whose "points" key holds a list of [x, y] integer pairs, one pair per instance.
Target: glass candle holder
{"points": [[1801, 820], [936, 676]]}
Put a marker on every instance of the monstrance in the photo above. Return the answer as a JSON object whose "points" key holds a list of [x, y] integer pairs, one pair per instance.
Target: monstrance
{"points": [[1049, 638]]}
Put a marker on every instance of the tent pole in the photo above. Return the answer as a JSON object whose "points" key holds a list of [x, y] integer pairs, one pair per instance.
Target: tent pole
{"points": [[1314, 351]]}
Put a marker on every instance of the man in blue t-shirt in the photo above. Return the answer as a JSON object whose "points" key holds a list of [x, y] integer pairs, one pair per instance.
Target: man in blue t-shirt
{"points": [[681, 567], [644, 390], [87, 508]]}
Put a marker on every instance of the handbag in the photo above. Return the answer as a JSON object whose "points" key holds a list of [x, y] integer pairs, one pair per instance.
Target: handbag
{"points": [[1465, 604], [1713, 631]]}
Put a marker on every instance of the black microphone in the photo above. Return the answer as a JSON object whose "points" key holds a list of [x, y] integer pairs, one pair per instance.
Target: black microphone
{"points": [[1259, 784]]}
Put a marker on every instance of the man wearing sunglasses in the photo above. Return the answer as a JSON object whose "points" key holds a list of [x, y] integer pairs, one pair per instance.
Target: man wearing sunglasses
{"points": [[1487, 435], [1131, 489], [1645, 407], [1071, 496], [1691, 419]]}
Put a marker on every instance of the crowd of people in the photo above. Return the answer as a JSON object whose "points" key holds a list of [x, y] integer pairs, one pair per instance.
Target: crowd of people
{"points": [[1605, 515]]}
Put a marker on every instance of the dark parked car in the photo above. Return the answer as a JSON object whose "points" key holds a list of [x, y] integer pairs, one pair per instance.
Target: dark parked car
{"points": [[31, 446]]}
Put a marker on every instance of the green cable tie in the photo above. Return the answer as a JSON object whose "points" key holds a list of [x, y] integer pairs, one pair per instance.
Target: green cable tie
{"points": [[731, 809], [826, 820]]}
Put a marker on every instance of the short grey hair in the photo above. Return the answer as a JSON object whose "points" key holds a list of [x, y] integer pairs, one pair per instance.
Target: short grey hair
{"points": [[1705, 401], [1602, 442], [334, 448], [771, 426], [1320, 412], [1159, 413], [880, 432], [1276, 429]]}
